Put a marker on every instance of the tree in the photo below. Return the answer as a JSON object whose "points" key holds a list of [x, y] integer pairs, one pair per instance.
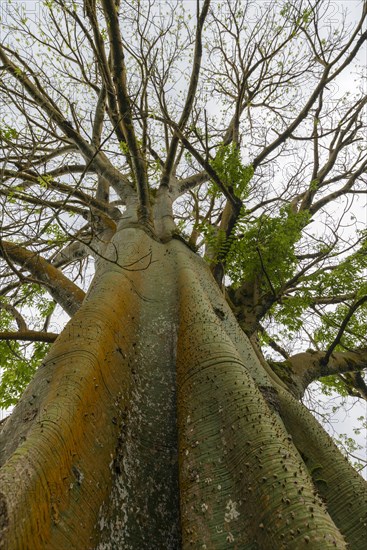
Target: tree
{"points": [[180, 179]]}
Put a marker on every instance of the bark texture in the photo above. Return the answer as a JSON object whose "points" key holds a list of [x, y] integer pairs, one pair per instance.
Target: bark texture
{"points": [[89, 455], [153, 424]]}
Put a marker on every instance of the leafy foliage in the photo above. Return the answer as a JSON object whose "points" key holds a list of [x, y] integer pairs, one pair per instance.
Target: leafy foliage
{"points": [[345, 275], [19, 361], [8, 133], [331, 384], [266, 245], [236, 177], [330, 325], [18, 365], [351, 449], [229, 167], [345, 279]]}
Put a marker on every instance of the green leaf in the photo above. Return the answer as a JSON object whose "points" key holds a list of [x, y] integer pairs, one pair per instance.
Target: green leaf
{"points": [[228, 165]]}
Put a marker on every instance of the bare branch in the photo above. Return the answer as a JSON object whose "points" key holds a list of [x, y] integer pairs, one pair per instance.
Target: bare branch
{"points": [[29, 336]]}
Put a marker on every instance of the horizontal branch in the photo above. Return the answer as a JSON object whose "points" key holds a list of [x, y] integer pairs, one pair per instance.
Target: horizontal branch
{"points": [[29, 336], [337, 299], [309, 366], [186, 184], [31, 179]]}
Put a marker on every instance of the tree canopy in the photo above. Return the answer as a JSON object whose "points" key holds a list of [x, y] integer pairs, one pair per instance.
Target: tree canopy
{"points": [[250, 117]]}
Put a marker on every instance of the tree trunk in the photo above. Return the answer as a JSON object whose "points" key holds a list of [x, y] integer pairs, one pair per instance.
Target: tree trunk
{"points": [[153, 424]]}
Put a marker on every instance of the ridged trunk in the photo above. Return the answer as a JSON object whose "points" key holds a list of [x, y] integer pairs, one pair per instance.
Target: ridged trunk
{"points": [[153, 424]]}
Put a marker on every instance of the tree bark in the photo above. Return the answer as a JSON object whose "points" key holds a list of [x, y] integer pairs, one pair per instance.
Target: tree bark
{"points": [[152, 423], [89, 454], [65, 292]]}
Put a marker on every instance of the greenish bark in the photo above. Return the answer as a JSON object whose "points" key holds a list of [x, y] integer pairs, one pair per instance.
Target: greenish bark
{"points": [[242, 481], [89, 455], [154, 424], [336, 481]]}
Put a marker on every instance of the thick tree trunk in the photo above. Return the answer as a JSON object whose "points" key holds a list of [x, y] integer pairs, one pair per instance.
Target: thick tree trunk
{"points": [[153, 424]]}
